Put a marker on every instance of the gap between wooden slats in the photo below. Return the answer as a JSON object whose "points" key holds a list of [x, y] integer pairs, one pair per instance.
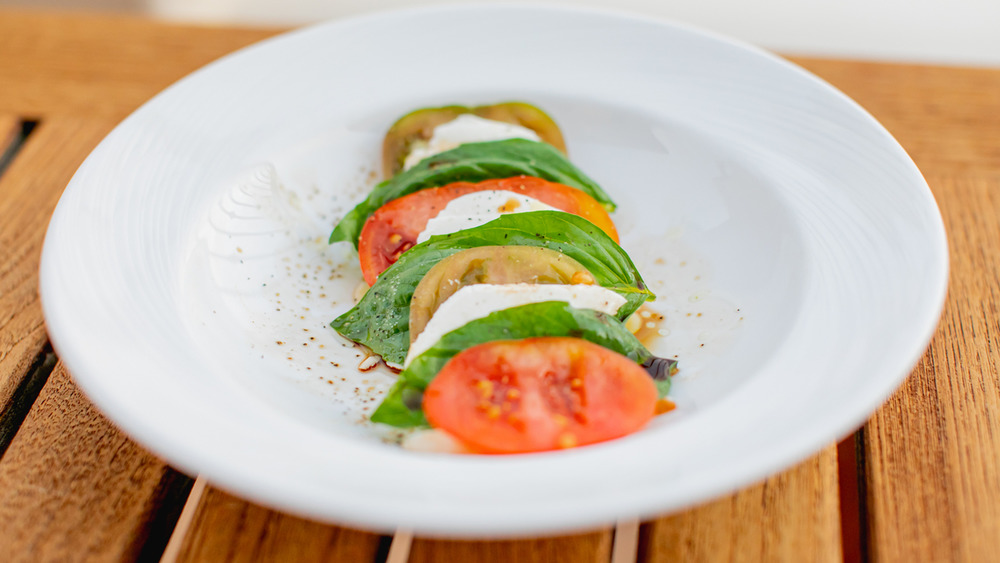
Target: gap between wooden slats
{"points": [[853, 500]]}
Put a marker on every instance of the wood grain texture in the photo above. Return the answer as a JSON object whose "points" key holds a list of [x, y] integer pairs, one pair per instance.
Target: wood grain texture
{"points": [[9, 125], [228, 529], [592, 547], [947, 118], [73, 487], [100, 65], [29, 190], [792, 517], [933, 451]]}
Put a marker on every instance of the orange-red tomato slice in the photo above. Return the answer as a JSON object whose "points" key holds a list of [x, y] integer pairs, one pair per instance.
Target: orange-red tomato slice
{"points": [[395, 226], [539, 394]]}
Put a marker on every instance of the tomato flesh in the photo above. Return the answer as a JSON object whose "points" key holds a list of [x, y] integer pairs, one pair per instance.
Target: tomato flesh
{"points": [[420, 125], [539, 394], [393, 228]]}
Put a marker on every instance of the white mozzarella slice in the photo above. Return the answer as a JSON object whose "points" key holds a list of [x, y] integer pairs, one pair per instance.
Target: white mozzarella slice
{"points": [[433, 440], [466, 128], [476, 301], [478, 208]]}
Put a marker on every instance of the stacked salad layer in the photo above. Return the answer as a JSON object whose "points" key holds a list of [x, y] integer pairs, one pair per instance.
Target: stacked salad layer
{"points": [[498, 287]]}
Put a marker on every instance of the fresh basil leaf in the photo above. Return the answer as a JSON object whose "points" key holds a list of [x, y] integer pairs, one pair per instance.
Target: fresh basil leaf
{"points": [[471, 162], [381, 320], [402, 405], [662, 387], [660, 369]]}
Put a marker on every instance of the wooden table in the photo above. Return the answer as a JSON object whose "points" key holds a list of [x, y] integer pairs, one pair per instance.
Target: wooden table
{"points": [[920, 481]]}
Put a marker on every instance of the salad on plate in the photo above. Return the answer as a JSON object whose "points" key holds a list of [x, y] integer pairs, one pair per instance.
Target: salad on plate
{"points": [[496, 286]]}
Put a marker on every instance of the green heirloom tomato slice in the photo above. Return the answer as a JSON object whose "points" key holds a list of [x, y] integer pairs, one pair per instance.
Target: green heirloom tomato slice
{"points": [[494, 265], [419, 126]]}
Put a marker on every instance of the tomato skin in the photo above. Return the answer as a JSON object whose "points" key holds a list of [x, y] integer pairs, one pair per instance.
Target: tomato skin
{"points": [[539, 394], [395, 226], [420, 125]]}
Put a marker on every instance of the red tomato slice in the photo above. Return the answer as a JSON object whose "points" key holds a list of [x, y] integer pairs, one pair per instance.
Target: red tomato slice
{"points": [[395, 226], [538, 394]]}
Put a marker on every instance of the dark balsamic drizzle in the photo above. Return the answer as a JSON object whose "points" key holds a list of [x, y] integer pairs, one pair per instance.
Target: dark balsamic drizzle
{"points": [[660, 368]]}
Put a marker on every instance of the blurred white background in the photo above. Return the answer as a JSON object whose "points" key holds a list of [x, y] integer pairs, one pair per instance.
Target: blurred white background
{"points": [[963, 32]]}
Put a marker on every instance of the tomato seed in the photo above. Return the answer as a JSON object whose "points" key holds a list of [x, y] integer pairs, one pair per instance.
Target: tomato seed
{"points": [[567, 440]]}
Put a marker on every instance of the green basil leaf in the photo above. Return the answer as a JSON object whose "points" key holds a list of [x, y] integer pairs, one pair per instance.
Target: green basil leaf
{"points": [[381, 320], [662, 387], [471, 162], [402, 405]]}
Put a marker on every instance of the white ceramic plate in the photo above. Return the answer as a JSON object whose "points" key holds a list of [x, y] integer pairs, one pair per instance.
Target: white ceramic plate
{"points": [[187, 285]]}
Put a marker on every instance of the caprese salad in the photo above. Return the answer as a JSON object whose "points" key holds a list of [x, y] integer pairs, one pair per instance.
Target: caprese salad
{"points": [[498, 288]]}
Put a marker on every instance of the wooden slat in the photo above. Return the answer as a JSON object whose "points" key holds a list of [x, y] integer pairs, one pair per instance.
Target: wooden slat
{"points": [[933, 452], [100, 65], [74, 488], [791, 517], [947, 119], [227, 529], [29, 190], [592, 547], [8, 128]]}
